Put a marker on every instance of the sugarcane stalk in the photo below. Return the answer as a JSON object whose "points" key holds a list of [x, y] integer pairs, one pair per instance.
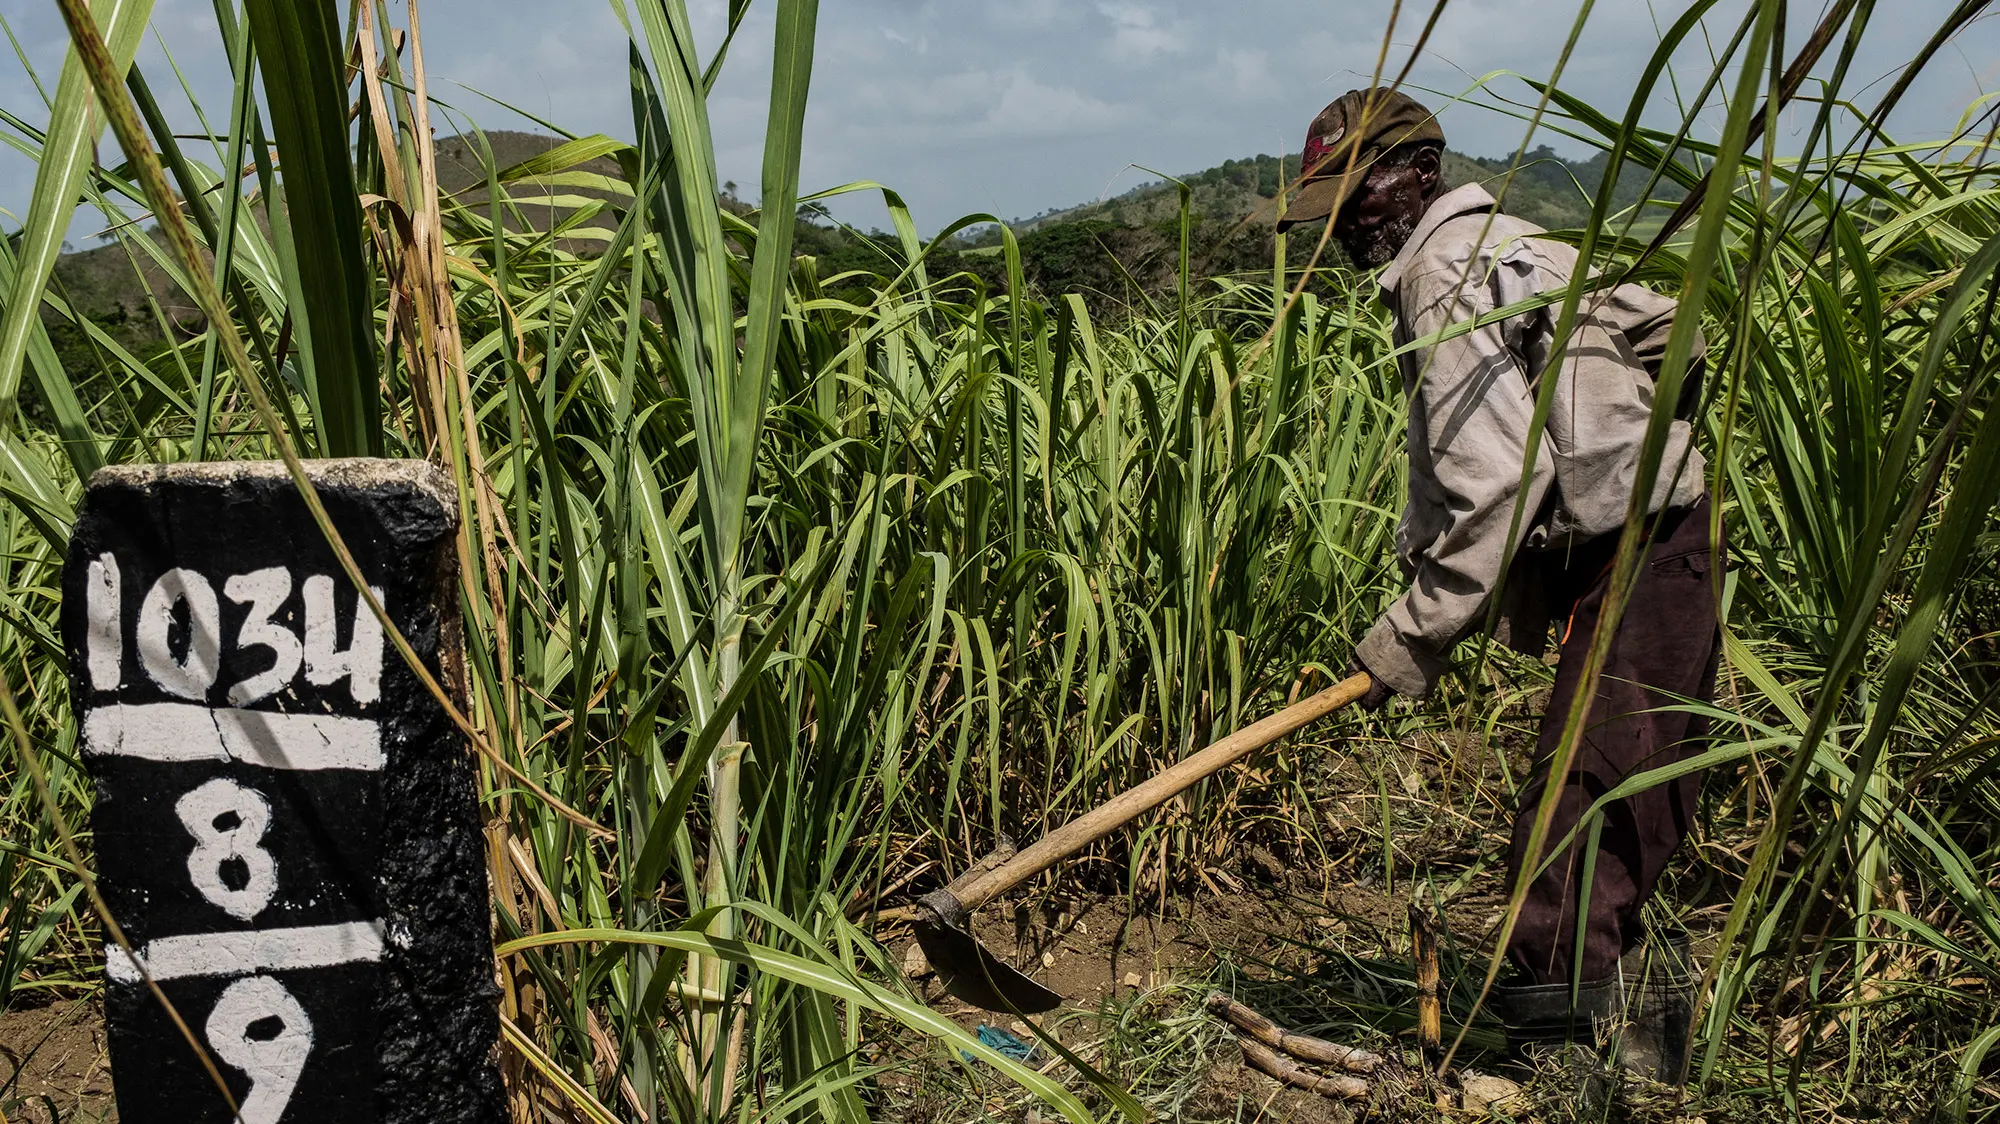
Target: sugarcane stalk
{"points": [[1274, 1065], [1305, 1047], [1430, 1013]]}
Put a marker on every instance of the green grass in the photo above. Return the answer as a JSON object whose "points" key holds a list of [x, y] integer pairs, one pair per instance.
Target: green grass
{"points": [[797, 589]]}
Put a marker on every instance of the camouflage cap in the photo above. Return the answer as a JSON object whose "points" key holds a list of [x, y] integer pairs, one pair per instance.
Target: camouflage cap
{"points": [[1346, 138]]}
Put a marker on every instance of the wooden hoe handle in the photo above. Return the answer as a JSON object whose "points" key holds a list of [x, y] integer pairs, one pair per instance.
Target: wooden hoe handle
{"points": [[1143, 797]]}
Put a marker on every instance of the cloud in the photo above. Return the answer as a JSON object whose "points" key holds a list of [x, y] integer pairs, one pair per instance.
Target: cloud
{"points": [[1028, 107], [1137, 36], [1029, 13], [1243, 74], [978, 104], [1019, 106]]}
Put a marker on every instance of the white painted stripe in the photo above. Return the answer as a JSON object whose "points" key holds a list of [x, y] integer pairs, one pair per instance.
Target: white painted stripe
{"points": [[186, 732], [241, 953]]}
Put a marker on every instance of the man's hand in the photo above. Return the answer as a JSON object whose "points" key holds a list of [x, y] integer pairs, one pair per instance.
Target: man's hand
{"points": [[1379, 693]]}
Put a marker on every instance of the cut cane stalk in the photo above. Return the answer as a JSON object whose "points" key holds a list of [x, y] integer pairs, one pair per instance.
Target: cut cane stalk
{"points": [[1267, 1061], [1304, 1047], [1424, 947]]}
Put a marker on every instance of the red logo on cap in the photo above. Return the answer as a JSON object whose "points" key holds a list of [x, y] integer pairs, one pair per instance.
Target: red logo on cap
{"points": [[1317, 148]]}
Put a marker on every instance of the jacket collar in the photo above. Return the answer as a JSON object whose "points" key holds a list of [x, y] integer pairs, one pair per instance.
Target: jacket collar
{"points": [[1466, 200]]}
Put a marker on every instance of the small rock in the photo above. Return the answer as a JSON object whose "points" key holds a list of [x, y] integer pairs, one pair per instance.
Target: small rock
{"points": [[915, 964], [1132, 979], [1048, 959], [1479, 1092], [1265, 863]]}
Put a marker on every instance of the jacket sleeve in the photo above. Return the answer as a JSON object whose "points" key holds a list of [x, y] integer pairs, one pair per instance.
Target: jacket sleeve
{"points": [[1646, 318], [1471, 409]]}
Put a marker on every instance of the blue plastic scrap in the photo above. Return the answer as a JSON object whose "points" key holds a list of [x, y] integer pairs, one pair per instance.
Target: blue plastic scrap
{"points": [[1003, 1042]]}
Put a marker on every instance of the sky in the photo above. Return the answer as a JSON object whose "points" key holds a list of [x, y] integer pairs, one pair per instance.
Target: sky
{"points": [[1013, 107]]}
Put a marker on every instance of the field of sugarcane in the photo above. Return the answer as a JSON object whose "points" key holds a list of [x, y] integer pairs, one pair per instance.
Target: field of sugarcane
{"points": [[787, 594]]}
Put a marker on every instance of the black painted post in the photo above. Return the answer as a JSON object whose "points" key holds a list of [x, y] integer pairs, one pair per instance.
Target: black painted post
{"points": [[286, 824]]}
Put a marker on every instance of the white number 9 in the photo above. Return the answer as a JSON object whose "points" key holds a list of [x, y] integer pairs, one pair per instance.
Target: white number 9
{"points": [[239, 1032]]}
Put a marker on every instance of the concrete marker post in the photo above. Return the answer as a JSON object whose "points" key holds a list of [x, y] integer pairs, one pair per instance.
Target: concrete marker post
{"points": [[286, 822]]}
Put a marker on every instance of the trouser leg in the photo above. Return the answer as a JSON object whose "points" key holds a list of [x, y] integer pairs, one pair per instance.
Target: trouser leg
{"points": [[1665, 647]]}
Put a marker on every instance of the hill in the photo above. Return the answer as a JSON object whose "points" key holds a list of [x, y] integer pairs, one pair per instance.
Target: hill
{"points": [[1546, 189], [1119, 253]]}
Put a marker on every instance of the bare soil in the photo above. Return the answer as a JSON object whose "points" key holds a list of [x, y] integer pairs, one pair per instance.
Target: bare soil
{"points": [[1330, 960], [53, 1066], [1316, 939], [1310, 927], [1097, 949]]}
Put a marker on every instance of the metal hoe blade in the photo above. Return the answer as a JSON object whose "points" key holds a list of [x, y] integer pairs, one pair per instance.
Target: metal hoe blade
{"points": [[973, 973], [968, 969]]}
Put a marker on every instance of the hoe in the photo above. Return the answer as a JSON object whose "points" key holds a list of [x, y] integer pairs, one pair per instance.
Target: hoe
{"points": [[969, 970]]}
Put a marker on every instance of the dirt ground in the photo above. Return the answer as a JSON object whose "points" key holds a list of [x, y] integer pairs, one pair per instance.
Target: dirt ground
{"points": [[1125, 969], [1104, 957], [1097, 949], [1331, 963], [1318, 942], [53, 1067]]}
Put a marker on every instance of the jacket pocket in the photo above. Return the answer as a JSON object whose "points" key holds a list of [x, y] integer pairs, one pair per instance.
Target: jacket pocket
{"points": [[1698, 557]]}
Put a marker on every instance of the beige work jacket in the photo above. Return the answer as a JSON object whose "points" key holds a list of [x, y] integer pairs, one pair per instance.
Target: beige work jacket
{"points": [[1472, 403]]}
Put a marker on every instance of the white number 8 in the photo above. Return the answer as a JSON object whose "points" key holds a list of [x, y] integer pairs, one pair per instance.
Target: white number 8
{"points": [[237, 1032], [228, 823]]}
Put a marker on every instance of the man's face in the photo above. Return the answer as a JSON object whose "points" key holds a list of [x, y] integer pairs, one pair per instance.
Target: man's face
{"points": [[1382, 215]]}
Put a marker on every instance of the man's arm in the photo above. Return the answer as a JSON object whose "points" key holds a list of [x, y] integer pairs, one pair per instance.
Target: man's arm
{"points": [[1471, 413]]}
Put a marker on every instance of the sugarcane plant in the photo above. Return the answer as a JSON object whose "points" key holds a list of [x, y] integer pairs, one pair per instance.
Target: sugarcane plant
{"points": [[787, 591]]}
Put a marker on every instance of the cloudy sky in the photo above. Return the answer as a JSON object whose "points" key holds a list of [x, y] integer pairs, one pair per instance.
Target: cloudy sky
{"points": [[1014, 106]]}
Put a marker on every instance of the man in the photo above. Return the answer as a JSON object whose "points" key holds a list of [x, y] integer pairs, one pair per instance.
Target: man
{"points": [[1373, 165]]}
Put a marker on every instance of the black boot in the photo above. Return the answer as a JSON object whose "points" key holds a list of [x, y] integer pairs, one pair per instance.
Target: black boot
{"points": [[1652, 1039], [1636, 1019], [1545, 1018], [1552, 1020]]}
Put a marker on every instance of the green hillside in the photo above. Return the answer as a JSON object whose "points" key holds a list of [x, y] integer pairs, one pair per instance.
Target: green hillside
{"points": [[1546, 189], [1120, 254]]}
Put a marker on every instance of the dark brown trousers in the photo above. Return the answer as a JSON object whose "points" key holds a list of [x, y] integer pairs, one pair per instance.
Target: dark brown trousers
{"points": [[1664, 650]]}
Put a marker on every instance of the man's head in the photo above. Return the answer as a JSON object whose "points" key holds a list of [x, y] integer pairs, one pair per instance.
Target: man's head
{"points": [[1373, 162]]}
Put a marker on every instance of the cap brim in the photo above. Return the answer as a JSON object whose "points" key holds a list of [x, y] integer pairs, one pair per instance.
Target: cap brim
{"points": [[1319, 199]]}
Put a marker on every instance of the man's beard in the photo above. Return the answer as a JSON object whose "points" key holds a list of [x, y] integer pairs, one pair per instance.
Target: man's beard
{"points": [[1379, 244]]}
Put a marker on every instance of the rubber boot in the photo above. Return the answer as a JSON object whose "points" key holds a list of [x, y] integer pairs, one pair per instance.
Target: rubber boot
{"points": [[1543, 1017], [1554, 1020], [1636, 1020], [1651, 1040]]}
